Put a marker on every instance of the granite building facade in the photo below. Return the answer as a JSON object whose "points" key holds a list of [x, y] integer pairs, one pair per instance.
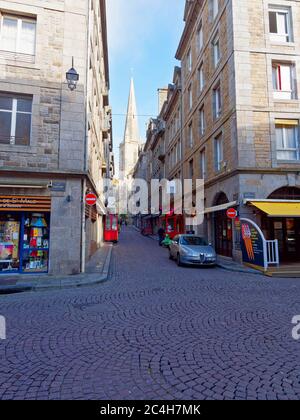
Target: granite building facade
{"points": [[55, 144]]}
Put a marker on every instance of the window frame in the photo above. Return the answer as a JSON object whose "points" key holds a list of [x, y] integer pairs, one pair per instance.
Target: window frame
{"points": [[19, 19], [14, 113], [190, 135], [274, 36], [285, 149], [201, 78], [191, 169], [217, 112], [202, 125], [278, 92], [200, 37], [219, 152], [190, 97], [203, 164], [216, 50], [215, 8], [189, 61]]}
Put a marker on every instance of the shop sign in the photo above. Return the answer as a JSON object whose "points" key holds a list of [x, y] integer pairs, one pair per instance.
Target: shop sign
{"points": [[25, 203], [91, 199], [252, 244]]}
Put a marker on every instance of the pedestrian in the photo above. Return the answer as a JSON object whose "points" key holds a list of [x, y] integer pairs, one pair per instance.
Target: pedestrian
{"points": [[161, 235]]}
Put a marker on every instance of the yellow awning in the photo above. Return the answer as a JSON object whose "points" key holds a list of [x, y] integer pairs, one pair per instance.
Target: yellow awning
{"points": [[278, 209], [287, 122]]}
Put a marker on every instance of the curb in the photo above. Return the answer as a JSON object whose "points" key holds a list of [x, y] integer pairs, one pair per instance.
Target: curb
{"points": [[71, 283], [239, 270]]}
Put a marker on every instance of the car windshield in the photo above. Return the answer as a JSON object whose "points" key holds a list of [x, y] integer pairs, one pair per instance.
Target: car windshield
{"points": [[193, 241]]}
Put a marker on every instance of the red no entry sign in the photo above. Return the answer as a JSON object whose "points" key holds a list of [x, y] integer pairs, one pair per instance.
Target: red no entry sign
{"points": [[232, 213], [91, 199]]}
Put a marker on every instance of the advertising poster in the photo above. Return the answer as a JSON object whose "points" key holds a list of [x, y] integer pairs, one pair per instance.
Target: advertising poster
{"points": [[252, 244]]}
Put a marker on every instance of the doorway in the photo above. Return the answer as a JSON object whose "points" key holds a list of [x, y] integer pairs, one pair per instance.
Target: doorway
{"points": [[287, 232], [223, 229]]}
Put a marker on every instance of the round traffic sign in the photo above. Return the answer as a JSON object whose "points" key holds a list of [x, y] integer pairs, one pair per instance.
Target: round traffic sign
{"points": [[91, 199], [232, 213]]}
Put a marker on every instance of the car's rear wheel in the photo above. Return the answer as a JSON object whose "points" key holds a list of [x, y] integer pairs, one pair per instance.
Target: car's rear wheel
{"points": [[179, 263]]}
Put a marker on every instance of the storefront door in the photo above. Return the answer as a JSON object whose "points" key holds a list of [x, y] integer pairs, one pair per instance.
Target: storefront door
{"points": [[223, 234], [287, 232]]}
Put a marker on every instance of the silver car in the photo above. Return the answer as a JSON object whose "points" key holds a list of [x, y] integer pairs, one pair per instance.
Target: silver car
{"points": [[192, 250]]}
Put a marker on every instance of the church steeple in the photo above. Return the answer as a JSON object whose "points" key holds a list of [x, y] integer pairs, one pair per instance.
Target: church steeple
{"points": [[129, 149], [132, 126]]}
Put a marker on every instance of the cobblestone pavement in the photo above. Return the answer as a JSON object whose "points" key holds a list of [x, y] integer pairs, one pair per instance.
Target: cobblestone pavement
{"points": [[154, 331]]}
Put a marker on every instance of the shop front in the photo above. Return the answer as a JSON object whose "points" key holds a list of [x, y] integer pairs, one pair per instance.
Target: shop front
{"points": [[173, 224], [280, 220], [24, 234], [287, 232]]}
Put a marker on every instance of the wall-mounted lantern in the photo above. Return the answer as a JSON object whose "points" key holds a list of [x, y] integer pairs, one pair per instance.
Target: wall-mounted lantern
{"points": [[72, 77]]}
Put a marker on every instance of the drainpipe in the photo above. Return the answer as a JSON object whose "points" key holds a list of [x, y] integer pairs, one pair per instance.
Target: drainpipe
{"points": [[84, 183], [83, 227], [180, 90]]}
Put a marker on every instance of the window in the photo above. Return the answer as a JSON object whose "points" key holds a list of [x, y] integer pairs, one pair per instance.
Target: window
{"points": [[191, 169], [280, 24], [189, 61], [200, 42], [178, 152], [178, 119], [203, 164], [216, 50], [214, 4], [284, 81], [201, 78], [190, 138], [15, 119], [217, 102], [287, 139], [190, 95], [219, 158], [201, 121], [18, 35]]}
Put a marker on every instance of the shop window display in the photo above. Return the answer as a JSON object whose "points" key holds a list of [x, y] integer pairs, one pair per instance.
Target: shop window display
{"points": [[35, 243], [9, 243], [24, 242]]}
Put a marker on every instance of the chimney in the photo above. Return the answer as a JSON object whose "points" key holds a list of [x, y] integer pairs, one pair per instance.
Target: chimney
{"points": [[162, 97]]}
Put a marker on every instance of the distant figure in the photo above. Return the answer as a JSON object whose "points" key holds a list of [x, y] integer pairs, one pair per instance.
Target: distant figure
{"points": [[161, 235], [167, 242]]}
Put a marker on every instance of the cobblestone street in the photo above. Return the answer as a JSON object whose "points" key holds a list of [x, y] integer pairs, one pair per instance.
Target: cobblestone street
{"points": [[153, 331]]}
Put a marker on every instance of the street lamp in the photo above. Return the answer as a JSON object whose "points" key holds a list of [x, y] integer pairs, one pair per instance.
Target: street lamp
{"points": [[72, 77]]}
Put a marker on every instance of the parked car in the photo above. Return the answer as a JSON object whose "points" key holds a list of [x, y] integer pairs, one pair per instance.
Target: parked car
{"points": [[192, 250]]}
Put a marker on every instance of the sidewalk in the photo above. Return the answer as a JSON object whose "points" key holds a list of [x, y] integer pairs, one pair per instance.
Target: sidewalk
{"points": [[230, 265], [97, 271]]}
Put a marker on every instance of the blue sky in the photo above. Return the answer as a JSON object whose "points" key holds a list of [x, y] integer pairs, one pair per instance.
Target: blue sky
{"points": [[143, 36]]}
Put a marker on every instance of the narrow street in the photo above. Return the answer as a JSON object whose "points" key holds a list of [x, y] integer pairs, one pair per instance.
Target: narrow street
{"points": [[153, 331]]}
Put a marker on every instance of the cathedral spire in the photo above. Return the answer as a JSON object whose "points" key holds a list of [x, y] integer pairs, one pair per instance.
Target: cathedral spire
{"points": [[132, 127]]}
